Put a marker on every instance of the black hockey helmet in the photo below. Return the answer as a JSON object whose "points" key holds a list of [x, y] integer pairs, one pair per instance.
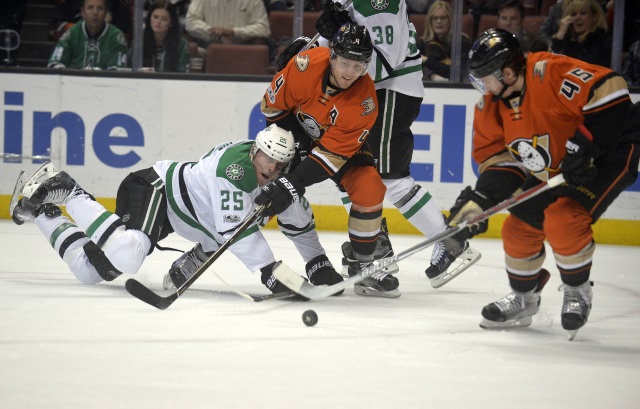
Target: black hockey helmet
{"points": [[494, 50], [352, 42]]}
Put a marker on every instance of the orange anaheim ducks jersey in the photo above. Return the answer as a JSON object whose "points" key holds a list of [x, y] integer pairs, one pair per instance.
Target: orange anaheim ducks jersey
{"points": [[337, 120], [560, 93]]}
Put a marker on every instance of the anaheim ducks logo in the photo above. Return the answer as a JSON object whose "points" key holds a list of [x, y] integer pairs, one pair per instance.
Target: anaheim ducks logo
{"points": [[539, 69], [368, 105], [534, 155], [301, 62], [310, 126], [234, 171]]}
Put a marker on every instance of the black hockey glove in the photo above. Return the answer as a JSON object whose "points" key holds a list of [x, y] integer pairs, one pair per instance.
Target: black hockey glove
{"points": [[292, 50], [331, 19], [577, 166], [469, 204], [269, 280], [321, 272], [282, 192]]}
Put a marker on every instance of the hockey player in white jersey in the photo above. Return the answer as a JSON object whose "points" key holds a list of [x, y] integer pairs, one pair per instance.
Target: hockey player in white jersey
{"points": [[396, 69], [202, 201]]}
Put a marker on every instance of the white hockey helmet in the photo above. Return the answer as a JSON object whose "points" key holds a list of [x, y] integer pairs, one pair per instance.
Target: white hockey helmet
{"points": [[277, 143]]}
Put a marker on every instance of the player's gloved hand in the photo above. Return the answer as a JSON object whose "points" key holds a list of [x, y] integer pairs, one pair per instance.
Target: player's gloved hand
{"points": [[577, 166], [469, 204], [292, 50], [331, 19], [321, 272], [282, 192]]}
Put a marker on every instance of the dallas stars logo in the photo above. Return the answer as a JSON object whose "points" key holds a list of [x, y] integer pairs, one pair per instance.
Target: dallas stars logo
{"points": [[379, 4], [234, 171]]}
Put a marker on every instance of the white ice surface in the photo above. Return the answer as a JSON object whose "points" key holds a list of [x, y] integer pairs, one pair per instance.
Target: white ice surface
{"points": [[67, 345]]}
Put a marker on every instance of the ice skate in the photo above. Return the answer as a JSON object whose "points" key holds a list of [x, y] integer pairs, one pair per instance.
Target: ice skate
{"points": [[445, 253], [515, 309], [56, 190], [25, 185], [24, 212], [576, 307], [383, 250], [379, 285], [184, 267]]}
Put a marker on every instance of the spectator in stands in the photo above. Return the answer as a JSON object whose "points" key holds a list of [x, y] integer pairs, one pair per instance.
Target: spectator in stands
{"points": [[582, 33], [510, 18], [435, 44], [119, 14], [92, 43], [222, 21], [164, 48]]}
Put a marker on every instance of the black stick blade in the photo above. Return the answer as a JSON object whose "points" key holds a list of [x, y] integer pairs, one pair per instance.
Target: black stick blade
{"points": [[142, 293]]}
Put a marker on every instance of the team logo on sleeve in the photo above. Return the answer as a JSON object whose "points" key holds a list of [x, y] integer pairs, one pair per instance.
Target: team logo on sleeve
{"points": [[301, 62], [234, 171], [539, 69], [379, 4], [368, 105]]}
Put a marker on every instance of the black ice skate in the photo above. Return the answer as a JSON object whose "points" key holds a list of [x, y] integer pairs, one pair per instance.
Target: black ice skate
{"points": [[576, 307], [378, 285], [184, 267], [445, 252], [383, 250], [56, 190], [515, 309], [24, 212]]}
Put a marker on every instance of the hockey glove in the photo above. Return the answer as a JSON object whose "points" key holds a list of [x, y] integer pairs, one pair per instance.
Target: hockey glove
{"points": [[469, 204], [292, 50], [270, 281], [331, 19], [577, 165], [282, 192], [321, 272]]}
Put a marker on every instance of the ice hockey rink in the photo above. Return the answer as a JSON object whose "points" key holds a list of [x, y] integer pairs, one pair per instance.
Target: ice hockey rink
{"points": [[68, 345]]}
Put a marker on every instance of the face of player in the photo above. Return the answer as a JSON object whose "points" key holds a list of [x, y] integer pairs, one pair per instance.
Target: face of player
{"points": [[492, 85], [267, 168], [510, 19], [345, 72], [581, 20], [94, 13], [160, 21], [440, 23]]}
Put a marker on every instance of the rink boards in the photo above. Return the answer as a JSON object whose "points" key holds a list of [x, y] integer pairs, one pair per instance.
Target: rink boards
{"points": [[100, 128]]}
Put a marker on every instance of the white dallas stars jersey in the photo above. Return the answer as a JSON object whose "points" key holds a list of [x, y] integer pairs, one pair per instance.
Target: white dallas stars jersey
{"points": [[395, 63], [209, 199]]}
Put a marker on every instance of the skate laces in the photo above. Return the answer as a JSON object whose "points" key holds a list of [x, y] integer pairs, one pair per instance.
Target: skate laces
{"points": [[447, 249], [188, 264], [576, 299], [515, 301]]}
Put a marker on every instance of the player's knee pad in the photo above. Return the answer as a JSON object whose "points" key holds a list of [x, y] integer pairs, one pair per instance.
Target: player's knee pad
{"points": [[521, 240], [81, 266], [126, 250], [401, 190], [364, 186], [568, 226]]}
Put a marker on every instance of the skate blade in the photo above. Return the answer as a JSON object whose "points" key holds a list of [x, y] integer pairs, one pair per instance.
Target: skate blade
{"points": [[370, 292], [17, 191], [572, 334], [468, 258], [44, 172], [392, 268], [517, 323]]}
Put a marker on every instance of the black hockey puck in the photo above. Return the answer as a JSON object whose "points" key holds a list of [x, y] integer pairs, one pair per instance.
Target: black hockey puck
{"points": [[310, 318]]}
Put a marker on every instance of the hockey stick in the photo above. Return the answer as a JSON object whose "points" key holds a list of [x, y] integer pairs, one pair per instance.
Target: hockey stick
{"points": [[291, 279], [257, 298], [143, 293], [317, 36]]}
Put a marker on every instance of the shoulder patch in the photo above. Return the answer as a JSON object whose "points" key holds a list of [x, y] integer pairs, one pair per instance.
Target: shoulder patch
{"points": [[380, 4], [539, 69], [301, 62], [368, 105], [234, 172]]}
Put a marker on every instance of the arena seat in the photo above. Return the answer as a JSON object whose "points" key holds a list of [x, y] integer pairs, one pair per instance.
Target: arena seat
{"points": [[532, 23], [487, 21], [248, 59]]}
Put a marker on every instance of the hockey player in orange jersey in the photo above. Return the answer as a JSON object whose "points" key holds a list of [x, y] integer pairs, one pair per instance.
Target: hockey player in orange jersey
{"points": [[325, 98], [552, 114]]}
